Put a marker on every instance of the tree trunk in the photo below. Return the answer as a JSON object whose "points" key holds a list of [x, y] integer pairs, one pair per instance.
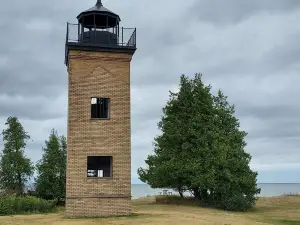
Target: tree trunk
{"points": [[204, 194], [20, 186], [197, 194], [180, 193]]}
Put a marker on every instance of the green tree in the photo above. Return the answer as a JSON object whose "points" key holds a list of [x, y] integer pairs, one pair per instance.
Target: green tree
{"points": [[15, 168], [201, 148], [51, 169], [167, 167], [236, 182]]}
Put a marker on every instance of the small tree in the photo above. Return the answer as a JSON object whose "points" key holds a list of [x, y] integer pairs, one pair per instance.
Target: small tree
{"points": [[15, 168], [51, 169]]}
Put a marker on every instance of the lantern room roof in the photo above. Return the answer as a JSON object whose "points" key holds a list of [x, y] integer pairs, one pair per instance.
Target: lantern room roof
{"points": [[98, 9]]}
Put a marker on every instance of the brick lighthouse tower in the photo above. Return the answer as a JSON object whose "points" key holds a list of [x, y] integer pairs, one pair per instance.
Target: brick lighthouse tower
{"points": [[98, 55]]}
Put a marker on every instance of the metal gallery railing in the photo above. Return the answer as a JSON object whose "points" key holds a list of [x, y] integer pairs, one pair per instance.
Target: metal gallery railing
{"points": [[124, 37], [108, 38]]}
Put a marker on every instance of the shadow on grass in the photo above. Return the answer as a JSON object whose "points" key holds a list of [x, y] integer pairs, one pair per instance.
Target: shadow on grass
{"points": [[191, 202]]}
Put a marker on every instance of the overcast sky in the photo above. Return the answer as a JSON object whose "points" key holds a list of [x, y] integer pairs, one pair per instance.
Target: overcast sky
{"points": [[248, 49]]}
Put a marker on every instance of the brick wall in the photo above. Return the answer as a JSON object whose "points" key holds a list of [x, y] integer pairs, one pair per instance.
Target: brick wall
{"points": [[107, 75]]}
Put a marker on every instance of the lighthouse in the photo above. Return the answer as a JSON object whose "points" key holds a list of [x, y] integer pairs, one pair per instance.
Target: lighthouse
{"points": [[98, 54]]}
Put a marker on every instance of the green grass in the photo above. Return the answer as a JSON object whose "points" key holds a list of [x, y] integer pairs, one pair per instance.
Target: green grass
{"points": [[289, 222], [284, 210]]}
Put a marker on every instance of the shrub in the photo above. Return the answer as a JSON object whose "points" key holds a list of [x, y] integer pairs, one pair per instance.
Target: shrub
{"points": [[237, 202], [11, 204], [173, 199]]}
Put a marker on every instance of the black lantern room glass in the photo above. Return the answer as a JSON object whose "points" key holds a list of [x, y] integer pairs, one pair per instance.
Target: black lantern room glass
{"points": [[98, 17], [99, 25]]}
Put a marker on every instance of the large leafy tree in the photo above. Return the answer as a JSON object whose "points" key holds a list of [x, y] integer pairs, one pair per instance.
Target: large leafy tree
{"points": [[166, 166], [15, 168], [235, 178], [51, 169], [201, 147]]}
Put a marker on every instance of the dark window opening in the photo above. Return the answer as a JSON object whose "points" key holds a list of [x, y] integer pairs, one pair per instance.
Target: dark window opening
{"points": [[99, 166], [100, 108]]}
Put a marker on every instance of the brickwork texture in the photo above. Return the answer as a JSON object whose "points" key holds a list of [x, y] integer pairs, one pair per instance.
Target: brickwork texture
{"points": [[103, 75]]}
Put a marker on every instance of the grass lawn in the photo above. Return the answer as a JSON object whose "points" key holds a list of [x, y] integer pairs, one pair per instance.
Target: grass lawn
{"points": [[283, 210]]}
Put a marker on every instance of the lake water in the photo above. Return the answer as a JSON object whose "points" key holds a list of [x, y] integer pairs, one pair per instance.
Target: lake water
{"points": [[267, 190]]}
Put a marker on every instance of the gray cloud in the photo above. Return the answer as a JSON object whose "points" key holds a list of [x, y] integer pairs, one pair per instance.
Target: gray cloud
{"points": [[232, 12], [249, 49], [273, 112], [282, 58], [35, 108]]}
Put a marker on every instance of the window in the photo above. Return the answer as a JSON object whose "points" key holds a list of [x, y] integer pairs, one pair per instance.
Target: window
{"points": [[100, 108], [99, 166]]}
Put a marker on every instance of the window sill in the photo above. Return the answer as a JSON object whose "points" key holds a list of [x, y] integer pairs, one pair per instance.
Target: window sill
{"points": [[99, 118], [100, 178]]}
